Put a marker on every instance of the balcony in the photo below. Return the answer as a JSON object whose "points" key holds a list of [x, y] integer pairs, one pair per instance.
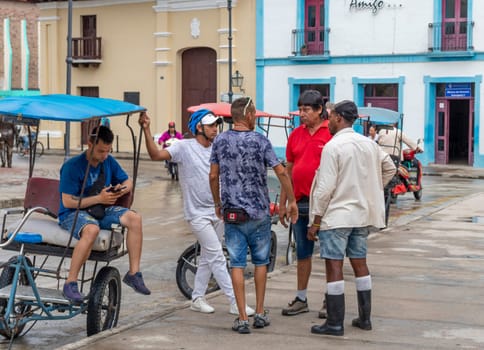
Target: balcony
{"points": [[451, 38], [309, 42], [86, 51]]}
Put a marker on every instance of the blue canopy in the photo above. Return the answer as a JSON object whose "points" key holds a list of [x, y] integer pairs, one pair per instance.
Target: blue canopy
{"points": [[380, 115], [66, 108]]}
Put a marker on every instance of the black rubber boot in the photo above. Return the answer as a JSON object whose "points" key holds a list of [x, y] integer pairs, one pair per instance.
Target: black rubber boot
{"points": [[335, 318], [364, 311]]}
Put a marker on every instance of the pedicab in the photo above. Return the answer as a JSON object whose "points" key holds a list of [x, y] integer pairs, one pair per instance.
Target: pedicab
{"points": [[30, 282], [408, 177]]}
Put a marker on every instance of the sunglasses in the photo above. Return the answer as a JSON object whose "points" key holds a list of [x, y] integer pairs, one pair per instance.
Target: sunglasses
{"points": [[247, 105]]}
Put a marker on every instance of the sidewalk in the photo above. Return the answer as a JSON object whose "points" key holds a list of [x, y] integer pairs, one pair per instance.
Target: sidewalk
{"points": [[427, 294]]}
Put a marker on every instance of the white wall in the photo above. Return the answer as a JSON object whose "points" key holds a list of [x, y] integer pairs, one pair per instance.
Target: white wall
{"points": [[279, 20]]}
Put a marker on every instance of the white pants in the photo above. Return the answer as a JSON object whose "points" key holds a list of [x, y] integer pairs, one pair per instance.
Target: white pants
{"points": [[209, 231]]}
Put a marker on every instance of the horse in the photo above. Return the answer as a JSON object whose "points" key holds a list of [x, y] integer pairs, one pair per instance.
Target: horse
{"points": [[7, 137]]}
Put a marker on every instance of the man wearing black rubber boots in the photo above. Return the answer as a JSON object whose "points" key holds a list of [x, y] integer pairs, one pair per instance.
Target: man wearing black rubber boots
{"points": [[347, 202]]}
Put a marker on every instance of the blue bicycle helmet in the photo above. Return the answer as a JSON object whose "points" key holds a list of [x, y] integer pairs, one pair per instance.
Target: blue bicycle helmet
{"points": [[195, 118]]}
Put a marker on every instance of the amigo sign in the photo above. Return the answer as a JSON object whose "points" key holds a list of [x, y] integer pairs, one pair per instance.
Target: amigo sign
{"points": [[374, 6]]}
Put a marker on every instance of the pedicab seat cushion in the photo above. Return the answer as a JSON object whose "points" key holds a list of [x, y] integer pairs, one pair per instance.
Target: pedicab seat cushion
{"points": [[40, 228]]}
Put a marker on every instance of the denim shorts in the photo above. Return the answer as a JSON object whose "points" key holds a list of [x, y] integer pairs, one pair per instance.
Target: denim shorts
{"points": [[253, 234], [336, 242], [113, 214], [304, 247]]}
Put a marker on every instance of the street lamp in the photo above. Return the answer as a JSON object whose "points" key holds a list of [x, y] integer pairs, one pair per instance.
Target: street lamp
{"points": [[229, 9], [238, 80]]}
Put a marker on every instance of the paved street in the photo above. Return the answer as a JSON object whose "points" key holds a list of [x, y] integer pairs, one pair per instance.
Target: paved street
{"points": [[426, 283]]}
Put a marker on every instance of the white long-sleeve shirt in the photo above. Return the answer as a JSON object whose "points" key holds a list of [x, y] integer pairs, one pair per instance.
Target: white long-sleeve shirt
{"points": [[347, 190], [391, 139]]}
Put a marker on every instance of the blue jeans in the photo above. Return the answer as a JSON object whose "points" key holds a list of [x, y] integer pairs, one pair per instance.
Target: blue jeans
{"points": [[304, 247], [113, 214], [253, 234], [336, 242]]}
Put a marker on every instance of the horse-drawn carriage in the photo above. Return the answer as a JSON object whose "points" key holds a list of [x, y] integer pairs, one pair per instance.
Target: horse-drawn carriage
{"points": [[30, 280]]}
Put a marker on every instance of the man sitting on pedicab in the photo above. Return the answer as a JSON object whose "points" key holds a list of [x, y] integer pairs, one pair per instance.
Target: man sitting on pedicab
{"points": [[106, 182]]}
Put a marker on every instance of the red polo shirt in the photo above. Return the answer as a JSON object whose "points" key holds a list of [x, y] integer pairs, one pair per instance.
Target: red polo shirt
{"points": [[304, 152]]}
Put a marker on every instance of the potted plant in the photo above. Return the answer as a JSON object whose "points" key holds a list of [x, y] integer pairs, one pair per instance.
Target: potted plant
{"points": [[304, 50]]}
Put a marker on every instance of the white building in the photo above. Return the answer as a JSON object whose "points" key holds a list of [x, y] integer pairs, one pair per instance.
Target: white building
{"points": [[424, 59]]}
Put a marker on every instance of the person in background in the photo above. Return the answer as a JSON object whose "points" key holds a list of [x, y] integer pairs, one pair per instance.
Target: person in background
{"points": [[303, 155], [346, 202], [24, 135], [106, 174], [390, 140], [192, 156], [238, 181], [372, 134], [167, 137]]}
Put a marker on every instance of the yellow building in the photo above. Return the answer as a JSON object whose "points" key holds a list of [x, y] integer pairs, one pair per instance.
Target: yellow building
{"points": [[165, 55]]}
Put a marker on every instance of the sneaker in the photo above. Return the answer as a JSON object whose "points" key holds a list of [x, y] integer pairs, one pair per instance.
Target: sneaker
{"points": [[322, 313], [201, 305], [136, 282], [297, 306], [261, 320], [71, 293], [234, 310], [241, 326]]}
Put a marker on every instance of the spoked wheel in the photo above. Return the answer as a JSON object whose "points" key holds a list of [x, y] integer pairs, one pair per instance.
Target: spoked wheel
{"points": [[173, 169], [388, 200], [20, 308], [418, 195], [186, 269], [273, 256], [291, 247], [39, 149], [104, 301]]}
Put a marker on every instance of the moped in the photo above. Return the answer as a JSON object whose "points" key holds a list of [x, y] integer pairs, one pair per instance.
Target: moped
{"points": [[409, 175]]}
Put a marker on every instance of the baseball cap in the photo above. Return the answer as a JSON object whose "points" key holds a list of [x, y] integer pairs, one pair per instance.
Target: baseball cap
{"points": [[210, 118], [310, 98], [347, 109]]}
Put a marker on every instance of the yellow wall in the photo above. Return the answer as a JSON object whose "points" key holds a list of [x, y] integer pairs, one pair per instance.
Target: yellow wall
{"points": [[141, 44]]}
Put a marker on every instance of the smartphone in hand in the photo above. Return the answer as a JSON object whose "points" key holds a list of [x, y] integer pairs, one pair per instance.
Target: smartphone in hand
{"points": [[116, 190]]}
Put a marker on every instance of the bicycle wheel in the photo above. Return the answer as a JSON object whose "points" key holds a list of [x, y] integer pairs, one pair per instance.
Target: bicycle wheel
{"points": [[291, 247], [186, 269], [273, 256], [39, 149], [104, 301], [20, 309]]}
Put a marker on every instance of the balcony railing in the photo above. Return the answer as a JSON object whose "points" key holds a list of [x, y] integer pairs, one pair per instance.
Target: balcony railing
{"points": [[309, 42], [451, 36], [86, 49]]}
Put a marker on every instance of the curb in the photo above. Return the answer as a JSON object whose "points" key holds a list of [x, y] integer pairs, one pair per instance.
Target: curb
{"points": [[153, 316]]}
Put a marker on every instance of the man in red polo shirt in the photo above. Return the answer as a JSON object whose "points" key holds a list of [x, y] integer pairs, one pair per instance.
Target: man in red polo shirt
{"points": [[303, 155]]}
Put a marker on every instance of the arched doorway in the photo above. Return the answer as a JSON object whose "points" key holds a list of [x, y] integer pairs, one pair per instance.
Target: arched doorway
{"points": [[199, 79]]}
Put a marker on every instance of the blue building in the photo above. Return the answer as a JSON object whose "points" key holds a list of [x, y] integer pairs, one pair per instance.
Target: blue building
{"points": [[421, 58]]}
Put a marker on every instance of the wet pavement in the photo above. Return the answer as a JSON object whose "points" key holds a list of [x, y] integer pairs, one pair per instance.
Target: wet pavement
{"points": [[427, 284]]}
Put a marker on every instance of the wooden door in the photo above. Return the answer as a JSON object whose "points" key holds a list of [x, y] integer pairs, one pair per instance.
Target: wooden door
{"points": [[89, 33], [454, 25], [470, 160], [314, 26], [199, 79], [442, 132], [86, 127]]}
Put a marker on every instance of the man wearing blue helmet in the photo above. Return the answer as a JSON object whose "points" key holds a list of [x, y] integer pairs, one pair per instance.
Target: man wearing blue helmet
{"points": [[193, 158]]}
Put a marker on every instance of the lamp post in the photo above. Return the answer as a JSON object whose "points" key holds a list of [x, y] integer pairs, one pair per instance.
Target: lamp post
{"points": [[67, 139], [229, 8]]}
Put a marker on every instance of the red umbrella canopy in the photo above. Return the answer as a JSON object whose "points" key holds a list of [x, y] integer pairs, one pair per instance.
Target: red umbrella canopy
{"points": [[222, 109]]}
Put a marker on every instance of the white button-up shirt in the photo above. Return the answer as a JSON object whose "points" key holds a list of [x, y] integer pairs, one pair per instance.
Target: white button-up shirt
{"points": [[347, 190]]}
